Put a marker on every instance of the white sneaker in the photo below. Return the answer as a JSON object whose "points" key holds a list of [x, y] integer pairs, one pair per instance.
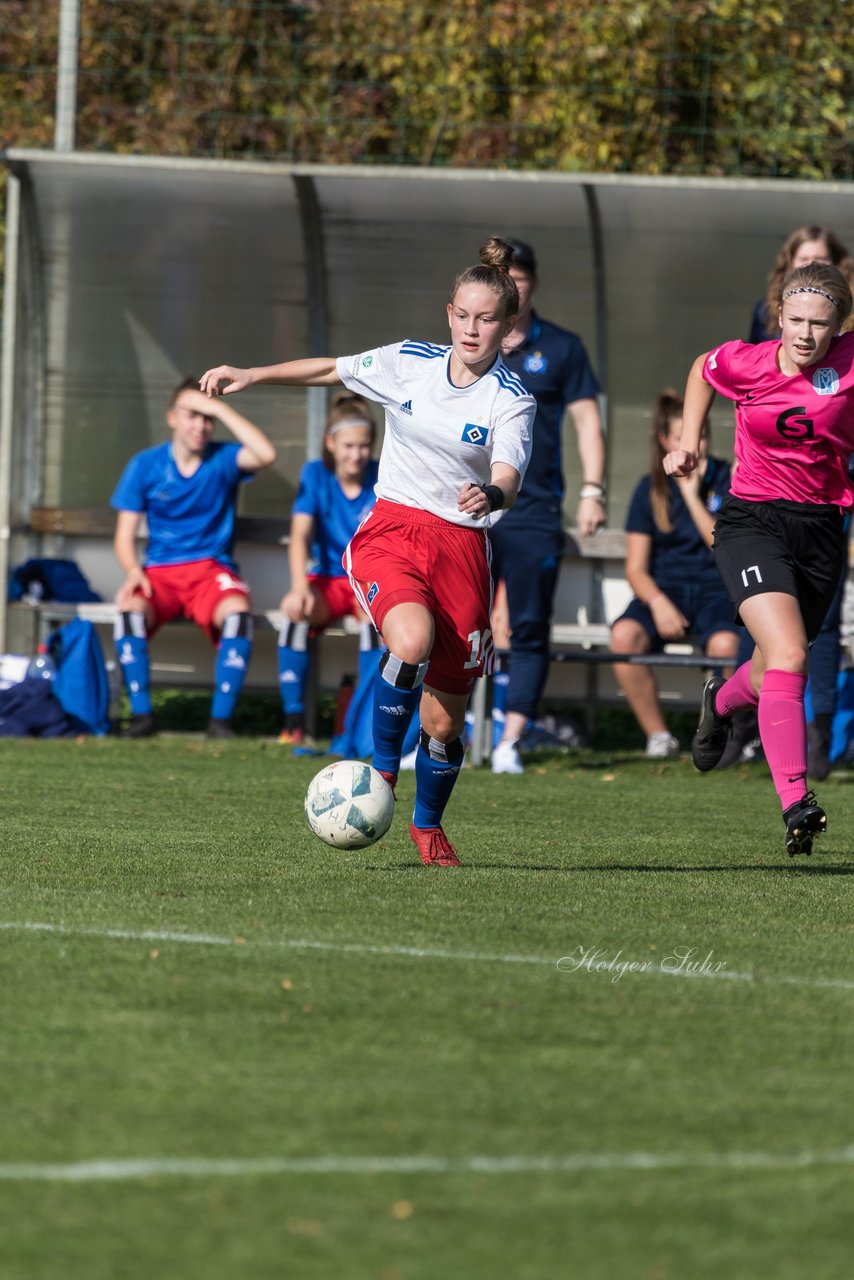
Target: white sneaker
{"points": [[661, 746], [506, 758], [408, 761]]}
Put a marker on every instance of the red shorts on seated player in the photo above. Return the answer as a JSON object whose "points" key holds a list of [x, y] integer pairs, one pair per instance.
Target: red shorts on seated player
{"points": [[192, 591], [400, 555], [337, 595]]}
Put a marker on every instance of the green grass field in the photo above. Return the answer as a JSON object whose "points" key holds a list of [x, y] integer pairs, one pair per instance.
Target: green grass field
{"points": [[229, 1051]]}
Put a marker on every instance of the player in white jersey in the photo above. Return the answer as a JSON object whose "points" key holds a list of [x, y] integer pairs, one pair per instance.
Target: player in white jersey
{"points": [[439, 436], [457, 442]]}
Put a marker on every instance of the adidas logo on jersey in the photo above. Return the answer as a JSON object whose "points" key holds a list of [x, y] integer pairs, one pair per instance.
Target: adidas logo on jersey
{"points": [[406, 407]]}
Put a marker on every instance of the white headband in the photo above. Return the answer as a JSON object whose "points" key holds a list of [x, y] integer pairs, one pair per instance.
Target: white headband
{"points": [[348, 422], [806, 288]]}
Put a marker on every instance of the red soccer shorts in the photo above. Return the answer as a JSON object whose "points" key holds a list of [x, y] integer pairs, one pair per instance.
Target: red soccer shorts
{"points": [[338, 596], [400, 555], [192, 591]]}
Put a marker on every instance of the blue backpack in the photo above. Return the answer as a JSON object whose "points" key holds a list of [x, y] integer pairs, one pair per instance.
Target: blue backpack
{"points": [[81, 684]]}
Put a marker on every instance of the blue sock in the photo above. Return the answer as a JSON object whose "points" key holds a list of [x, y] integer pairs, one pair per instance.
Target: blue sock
{"points": [[397, 692], [293, 667], [232, 662], [500, 681], [132, 653], [437, 767]]}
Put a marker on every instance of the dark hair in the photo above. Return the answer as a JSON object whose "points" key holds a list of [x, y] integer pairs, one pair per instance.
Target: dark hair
{"points": [[347, 407], [496, 259], [523, 255], [189, 384], [820, 278], [839, 256]]}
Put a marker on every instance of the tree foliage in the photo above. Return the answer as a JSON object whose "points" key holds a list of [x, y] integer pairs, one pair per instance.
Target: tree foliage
{"points": [[692, 86]]}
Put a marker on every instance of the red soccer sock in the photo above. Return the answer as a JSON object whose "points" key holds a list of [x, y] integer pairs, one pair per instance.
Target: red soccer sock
{"points": [[783, 730], [737, 693]]}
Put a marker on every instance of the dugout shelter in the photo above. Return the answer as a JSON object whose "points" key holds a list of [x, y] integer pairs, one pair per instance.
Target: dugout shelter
{"points": [[125, 273]]}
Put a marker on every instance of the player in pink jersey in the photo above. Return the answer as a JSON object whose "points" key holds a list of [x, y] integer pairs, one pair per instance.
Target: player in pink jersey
{"points": [[779, 540]]}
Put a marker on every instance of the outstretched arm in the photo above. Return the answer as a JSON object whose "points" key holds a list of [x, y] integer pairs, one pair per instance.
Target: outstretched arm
{"points": [[317, 371]]}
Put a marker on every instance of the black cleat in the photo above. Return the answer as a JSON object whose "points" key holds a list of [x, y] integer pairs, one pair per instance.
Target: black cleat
{"points": [[142, 726], [219, 729], [804, 819], [713, 732]]}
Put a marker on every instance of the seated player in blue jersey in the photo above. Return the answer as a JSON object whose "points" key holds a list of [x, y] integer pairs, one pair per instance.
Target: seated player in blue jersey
{"points": [[187, 490], [335, 494], [671, 569]]}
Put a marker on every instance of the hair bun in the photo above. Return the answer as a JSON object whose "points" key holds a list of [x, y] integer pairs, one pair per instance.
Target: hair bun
{"points": [[496, 252]]}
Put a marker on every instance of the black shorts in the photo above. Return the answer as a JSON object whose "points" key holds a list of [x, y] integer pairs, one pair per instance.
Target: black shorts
{"points": [[797, 548]]}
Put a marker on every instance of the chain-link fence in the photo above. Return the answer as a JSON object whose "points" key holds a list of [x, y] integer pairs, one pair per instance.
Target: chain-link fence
{"points": [[751, 88]]}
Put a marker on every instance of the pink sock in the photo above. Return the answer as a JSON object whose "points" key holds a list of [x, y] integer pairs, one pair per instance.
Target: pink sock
{"points": [[737, 693], [783, 730]]}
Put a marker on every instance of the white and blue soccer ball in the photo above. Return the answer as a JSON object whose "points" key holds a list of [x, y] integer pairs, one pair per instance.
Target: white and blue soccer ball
{"points": [[349, 805]]}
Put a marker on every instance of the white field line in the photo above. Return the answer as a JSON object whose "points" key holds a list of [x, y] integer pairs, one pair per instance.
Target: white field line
{"points": [[418, 953], [129, 1170]]}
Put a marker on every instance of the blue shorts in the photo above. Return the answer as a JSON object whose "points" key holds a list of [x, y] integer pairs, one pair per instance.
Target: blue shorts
{"points": [[707, 607]]}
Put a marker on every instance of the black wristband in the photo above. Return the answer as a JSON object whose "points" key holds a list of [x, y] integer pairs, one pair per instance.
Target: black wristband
{"points": [[494, 496]]}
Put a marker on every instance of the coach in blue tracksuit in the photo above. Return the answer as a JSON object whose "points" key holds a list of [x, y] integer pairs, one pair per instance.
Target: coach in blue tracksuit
{"points": [[527, 544]]}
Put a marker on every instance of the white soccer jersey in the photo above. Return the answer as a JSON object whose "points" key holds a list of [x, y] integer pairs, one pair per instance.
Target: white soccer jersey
{"points": [[437, 436]]}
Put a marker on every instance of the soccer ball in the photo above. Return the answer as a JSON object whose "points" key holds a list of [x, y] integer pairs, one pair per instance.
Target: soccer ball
{"points": [[349, 805]]}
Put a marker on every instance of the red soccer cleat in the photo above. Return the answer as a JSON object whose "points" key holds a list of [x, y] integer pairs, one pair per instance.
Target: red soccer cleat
{"points": [[434, 847], [391, 779]]}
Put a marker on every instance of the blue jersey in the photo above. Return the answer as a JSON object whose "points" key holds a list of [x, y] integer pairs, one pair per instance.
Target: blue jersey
{"points": [[680, 556], [189, 517], [336, 517], [553, 366]]}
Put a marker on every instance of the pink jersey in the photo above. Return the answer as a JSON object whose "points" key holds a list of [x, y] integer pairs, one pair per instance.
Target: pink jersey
{"points": [[793, 434]]}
